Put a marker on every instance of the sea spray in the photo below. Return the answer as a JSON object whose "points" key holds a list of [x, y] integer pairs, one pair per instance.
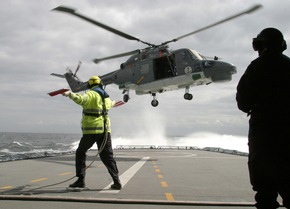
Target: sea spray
{"points": [[200, 140]]}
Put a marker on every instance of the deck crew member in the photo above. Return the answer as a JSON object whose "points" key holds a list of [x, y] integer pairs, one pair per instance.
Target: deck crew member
{"points": [[95, 129]]}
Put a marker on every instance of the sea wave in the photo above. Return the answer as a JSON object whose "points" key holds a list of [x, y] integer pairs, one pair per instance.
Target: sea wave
{"points": [[20, 146]]}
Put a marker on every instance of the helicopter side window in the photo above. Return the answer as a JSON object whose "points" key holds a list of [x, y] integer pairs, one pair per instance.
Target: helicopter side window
{"points": [[183, 55], [192, 55], [196, 55], [144, 56]]}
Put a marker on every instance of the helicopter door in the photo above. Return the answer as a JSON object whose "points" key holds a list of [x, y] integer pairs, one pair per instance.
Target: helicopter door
{"points": [[164, 67]]}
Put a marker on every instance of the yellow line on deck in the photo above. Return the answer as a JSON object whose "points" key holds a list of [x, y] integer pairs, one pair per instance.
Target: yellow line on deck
{"points": [[160, 176], [66, 173], [6, 187], [37, 180], [169, 196], [164, 184]]}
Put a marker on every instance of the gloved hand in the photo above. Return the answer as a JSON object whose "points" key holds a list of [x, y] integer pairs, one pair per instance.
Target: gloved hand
{"points": [[66, 94]]}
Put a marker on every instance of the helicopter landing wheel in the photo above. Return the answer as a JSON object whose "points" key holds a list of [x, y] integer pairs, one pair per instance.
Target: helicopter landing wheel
{"points": [[188, 96], [154, 103], [126, 98]]}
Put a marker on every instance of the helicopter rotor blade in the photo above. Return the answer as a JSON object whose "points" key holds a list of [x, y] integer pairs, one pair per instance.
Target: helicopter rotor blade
{"points": [[248, 11], [106, 27], [116, 56]]}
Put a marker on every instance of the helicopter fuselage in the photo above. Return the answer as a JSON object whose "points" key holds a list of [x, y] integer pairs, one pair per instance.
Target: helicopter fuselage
{"points": [[156, 69], [149, 73]]}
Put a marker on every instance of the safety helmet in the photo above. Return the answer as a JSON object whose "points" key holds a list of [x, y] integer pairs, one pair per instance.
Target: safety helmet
{"points": [[94, 80], [269, 38]]}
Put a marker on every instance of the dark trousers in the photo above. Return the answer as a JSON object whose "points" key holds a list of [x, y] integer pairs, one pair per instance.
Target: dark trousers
{"points": [[106, 155], [269, 168]]}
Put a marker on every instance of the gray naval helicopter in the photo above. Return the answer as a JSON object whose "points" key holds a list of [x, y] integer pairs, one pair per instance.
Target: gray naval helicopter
{"points": [[156, 69]]}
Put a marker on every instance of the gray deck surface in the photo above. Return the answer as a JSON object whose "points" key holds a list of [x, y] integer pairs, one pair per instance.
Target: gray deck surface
{"points": [[151, 178]]}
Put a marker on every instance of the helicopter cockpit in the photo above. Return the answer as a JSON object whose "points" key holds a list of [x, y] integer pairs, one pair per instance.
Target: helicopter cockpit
{"points": [[197, 55]]}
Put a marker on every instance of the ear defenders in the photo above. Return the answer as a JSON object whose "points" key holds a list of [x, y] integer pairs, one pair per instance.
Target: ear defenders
{"points": [[270, 38], [260, 44]]}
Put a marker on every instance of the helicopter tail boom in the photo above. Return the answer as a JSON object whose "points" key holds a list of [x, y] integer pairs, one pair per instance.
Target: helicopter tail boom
{"points": [[74, 83]]}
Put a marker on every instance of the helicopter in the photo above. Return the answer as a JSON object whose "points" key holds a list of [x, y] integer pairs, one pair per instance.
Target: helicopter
{"points": [[156, 69]]}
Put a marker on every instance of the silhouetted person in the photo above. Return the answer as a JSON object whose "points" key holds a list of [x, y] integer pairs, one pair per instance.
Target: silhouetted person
{"points": [[263, 93]]}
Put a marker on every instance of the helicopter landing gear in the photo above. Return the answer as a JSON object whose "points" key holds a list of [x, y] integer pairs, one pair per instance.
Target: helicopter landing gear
{"points": [[154, 102], [187, 95], [126, 96]]}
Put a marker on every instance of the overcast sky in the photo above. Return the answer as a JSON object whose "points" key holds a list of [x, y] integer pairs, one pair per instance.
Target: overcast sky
{"points": [[36, 42]]}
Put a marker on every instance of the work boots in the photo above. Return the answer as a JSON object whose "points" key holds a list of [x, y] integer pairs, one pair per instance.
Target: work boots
{"points": [[117, 185], [80, 183]]}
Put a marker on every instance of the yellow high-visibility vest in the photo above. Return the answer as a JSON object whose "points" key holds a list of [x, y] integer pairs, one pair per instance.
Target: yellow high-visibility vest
{"points": [[93, 115]]}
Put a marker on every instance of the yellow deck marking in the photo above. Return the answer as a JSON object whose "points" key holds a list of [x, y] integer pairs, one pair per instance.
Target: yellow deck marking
{"points": [[37, 180], [66, 173], [6, 187], [164, 184], [169, 196]]}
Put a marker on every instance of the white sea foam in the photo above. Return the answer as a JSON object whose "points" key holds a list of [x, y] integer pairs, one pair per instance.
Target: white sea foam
{"points": [[200, 140]]}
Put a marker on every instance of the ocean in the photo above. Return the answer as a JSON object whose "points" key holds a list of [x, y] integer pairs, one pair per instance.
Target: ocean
{"points": [[20, 146]]}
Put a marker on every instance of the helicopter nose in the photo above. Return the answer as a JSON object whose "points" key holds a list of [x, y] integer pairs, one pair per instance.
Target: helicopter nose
{"points": [[233, 69], [222, 71]]}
